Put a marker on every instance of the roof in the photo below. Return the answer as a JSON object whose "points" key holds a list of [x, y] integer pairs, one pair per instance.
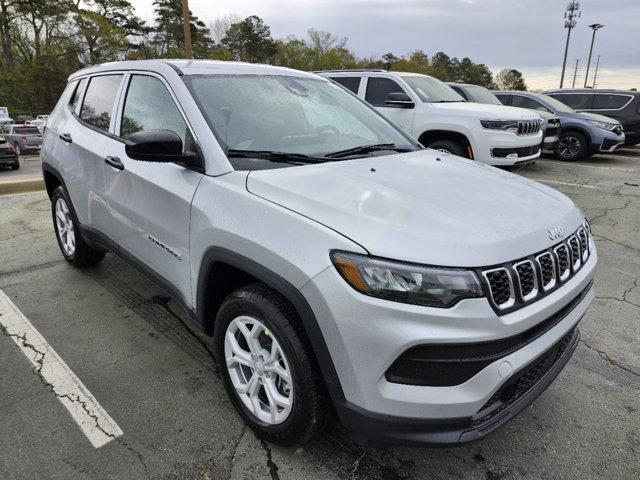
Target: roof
{"points": [[191, 67], [591, 90]]}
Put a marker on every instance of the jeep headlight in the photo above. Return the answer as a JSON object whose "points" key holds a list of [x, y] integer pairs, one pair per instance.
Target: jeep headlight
{"points": [[603, 125], [504, 125], [406, 282]]}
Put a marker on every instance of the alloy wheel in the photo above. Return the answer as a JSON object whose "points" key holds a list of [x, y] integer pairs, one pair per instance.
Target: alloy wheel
{"points": [[64, 225], [259, 370], [569, 147]]}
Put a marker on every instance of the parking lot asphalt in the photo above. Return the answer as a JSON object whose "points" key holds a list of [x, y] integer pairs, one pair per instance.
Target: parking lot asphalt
{"points": [[134, 351]]}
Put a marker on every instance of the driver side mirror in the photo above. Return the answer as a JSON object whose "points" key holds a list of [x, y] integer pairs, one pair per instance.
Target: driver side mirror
{"points": [[162, 146], [400, 100]]}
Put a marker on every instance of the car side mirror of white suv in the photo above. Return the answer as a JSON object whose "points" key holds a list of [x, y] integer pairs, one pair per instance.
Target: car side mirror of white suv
{"points": [[400, 100], [159, 146]]}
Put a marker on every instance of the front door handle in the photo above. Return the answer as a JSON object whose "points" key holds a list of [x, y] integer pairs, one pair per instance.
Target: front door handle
{"points": [[65, 137], [115, 162]]}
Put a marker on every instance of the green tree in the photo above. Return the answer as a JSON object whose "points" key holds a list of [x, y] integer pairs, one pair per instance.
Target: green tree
{"points": [[250, 40], [168, 33], [510, 79]]}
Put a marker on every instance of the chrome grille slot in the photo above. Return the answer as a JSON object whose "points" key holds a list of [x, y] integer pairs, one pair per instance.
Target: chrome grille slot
{"points": [[500, 287], [529, 127], [547, 270], [584, 243], [576, 254], [564, 261], [527, 279]]}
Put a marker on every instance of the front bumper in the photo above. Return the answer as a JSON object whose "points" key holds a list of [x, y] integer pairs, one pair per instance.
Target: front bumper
{"points": [[8, 160], [549, 143], [366, 335], [485, 141]]}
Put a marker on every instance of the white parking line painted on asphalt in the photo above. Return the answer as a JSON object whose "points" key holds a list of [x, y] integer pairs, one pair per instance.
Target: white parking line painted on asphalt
{"points": [[92, 419], [561, 183], [601, 167]]}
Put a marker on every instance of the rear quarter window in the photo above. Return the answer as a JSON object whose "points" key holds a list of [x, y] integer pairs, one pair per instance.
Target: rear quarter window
{"points": [[610, 101], [350, 83]]}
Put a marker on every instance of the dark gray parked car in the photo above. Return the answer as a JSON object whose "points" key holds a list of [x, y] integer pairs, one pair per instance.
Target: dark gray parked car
{"points": [[582, 135], [24, 138], [622, 105], [8, 157], [479, 94]]}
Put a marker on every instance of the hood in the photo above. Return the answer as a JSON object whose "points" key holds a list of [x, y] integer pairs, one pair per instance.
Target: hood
{"points": [[599, 118], [487, 111], [424, 207]]}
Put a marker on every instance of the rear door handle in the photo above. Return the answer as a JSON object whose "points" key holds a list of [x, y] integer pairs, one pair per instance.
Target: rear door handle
{"points": [[65, 137], [114, 162]]}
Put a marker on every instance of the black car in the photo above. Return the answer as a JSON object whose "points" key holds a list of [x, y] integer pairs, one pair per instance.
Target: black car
{"points": [[8, 156], [622, 105]]}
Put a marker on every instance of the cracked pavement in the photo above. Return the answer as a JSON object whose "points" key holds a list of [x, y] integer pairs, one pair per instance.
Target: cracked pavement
{"points": [[137, 353]]}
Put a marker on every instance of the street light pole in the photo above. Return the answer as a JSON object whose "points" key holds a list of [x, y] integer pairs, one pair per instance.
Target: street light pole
{"points": [[595, 76], [570, 15], [188, 53], [595, 27], [575, 72]]}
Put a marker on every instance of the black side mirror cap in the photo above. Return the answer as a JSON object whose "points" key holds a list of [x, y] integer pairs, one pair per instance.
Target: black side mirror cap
{"points": [[400, 100], [158, 146]]}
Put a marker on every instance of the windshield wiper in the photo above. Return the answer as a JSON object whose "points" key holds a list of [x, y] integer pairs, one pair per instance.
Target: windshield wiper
{"points": [[367, 149], [282, 157]]}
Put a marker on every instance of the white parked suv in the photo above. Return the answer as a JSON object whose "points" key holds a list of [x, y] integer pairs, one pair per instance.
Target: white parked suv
{"points": [[338, 265], [440, 118]]}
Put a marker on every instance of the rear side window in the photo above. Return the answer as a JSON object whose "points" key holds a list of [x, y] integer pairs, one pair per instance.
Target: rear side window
{"points": [[577, 101], [350, 83], [526, 102], [76, 94], [149, 106], [610, 102], [378, 89], [99, 101], [505, 99]]}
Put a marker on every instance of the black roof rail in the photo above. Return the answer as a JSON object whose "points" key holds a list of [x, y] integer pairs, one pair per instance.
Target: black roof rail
{"points": [[351, 70]]}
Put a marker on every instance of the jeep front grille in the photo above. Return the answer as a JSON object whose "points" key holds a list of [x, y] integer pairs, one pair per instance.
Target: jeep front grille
{"points": [[529, 127], [516, 284]]}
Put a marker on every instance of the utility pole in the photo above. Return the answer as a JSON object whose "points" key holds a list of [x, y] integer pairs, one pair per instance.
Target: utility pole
{"points": [[595, 27], [575, 72], [188, 53], [572, 12], [595, 76]]}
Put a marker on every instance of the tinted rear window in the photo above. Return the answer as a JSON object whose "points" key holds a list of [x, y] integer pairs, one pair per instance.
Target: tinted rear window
{"points": [[610, 101], [99, 100], [577, 101], [350, 83]]}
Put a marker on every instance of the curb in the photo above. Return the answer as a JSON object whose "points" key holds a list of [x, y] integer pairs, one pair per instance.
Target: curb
{"points": [[21, 186]]}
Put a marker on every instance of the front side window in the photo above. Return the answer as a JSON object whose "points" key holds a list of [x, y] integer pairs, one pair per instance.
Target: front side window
{"points": [[432, 90], [603, 101], [526, 102], [100, 100], [378, 90], [577, 101], [149, 106], [287, 114], [350, 83]]}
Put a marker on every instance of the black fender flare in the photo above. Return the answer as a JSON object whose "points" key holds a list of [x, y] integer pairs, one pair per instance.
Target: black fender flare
{"points": [[215, 255]]}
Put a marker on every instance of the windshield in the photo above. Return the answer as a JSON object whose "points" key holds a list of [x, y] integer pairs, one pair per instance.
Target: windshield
{"points": [[290, 115], [480, 94], [26, 130], [555, 104], [432, 90]]}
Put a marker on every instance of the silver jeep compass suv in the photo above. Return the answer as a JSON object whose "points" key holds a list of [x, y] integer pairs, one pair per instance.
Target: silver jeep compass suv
{"points": [[338, 265]]}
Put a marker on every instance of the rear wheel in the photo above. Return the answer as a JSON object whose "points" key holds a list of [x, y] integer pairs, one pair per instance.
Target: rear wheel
{"points": [[74, 249], [267, 366], [449, 146], [15, 166], [571, 147]]}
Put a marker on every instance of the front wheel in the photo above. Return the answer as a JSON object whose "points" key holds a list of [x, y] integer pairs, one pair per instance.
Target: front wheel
{"points": [[449, 146], [73, 247], [571, 147], [267, 366], [15, 166]]}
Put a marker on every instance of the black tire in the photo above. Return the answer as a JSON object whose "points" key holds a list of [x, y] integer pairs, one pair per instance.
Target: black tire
{"points": [[450, 146], [15, 166], [572, 146], [309, 399], [83, 255]]}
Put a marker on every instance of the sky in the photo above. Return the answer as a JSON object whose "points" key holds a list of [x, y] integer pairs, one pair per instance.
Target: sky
{"points": [[524, 34]]}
